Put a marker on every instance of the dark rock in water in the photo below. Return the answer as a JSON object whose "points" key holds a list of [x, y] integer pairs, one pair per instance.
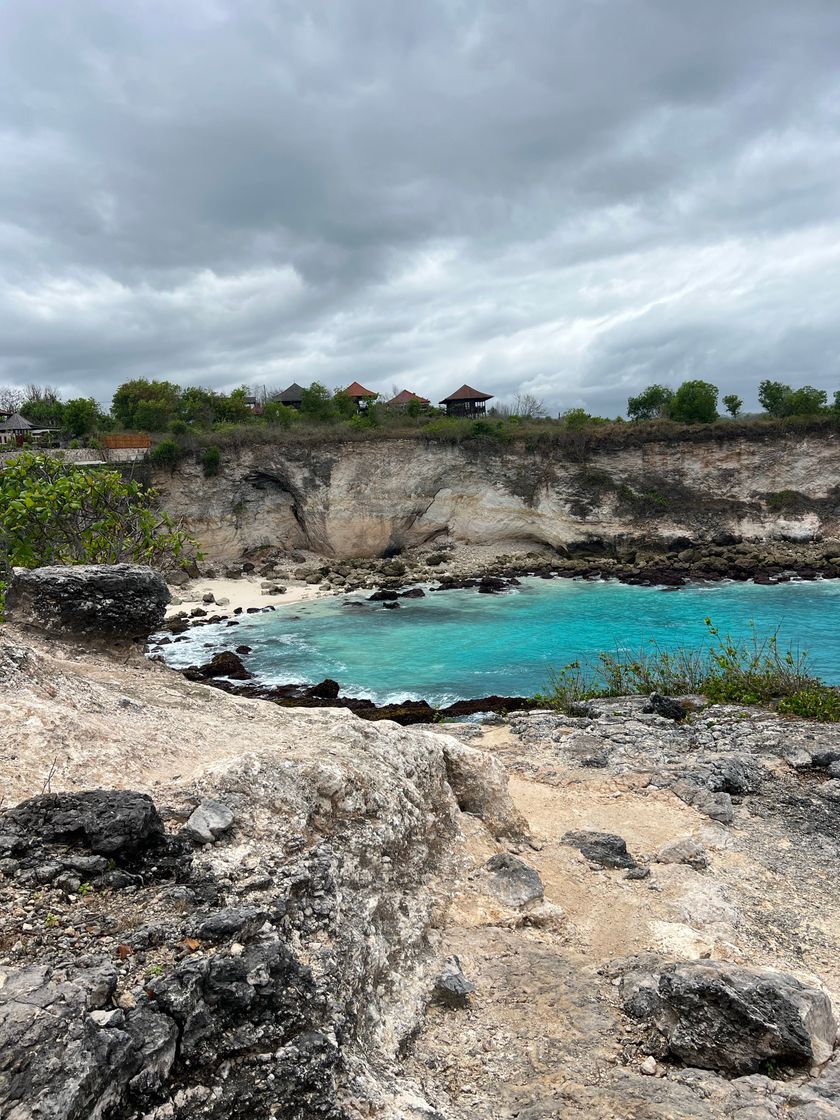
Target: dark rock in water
{"points": [[604, 848], [241, 922], [252, 610], [390, 606], [117, 602], [720, 1016], [513, 881], [382, 596], [108, 822], [244, 650], [413, 593], [352, 603], [224, 664], [451, 986], [665, 706], [492, 585], [326, 690]]}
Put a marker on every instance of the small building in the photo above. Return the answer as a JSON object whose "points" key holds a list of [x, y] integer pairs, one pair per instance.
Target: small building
{"points": [[360, 395], [291, 397], [253, 404], [466, 401], [406, 397], [14, 428]]}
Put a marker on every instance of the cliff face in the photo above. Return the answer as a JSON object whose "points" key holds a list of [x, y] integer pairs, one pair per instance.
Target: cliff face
{"points": [[363, 499]]}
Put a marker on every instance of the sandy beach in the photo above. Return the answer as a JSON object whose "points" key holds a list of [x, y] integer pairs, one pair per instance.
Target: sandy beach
{"points": [[242, 593]]}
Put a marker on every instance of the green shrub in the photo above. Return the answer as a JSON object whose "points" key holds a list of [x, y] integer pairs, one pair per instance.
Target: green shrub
{"points": [[782, 500], [167, 453], [179, 427], [211, 459], [52, 512], [751, 670], [819, 702]]}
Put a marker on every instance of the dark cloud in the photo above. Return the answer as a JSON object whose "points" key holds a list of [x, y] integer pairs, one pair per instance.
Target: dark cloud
{"points": [[572, 197]]}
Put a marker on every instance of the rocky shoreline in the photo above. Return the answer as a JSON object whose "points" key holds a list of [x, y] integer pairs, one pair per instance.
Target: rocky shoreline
{"points": [[447, 563]]}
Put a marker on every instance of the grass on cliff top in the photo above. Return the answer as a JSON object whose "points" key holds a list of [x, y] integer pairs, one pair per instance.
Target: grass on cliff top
{"points": [[751, 670], [542, 435]]}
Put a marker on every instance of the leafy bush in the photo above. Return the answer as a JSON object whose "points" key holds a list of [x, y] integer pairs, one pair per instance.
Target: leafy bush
{"points": [[818, 703], [52, 512], [695, 402], [167, 453], [651, 404], [275, 412], [211, 459], [751, 670], [733, 404]]}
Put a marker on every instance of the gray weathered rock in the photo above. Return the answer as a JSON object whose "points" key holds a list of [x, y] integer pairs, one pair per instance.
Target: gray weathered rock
{"points": [[209, 821], [685, 849], [513, 881], [715, 805], [604, 848], [85, 601], [480, 787], [451, 985], [720, 1016], [241, 922]]}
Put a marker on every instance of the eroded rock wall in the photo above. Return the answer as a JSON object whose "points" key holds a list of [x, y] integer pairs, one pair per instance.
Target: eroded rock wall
{"points": [[365, 498]]}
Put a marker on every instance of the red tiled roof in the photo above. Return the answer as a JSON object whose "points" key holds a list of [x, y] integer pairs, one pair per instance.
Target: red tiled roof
{"points": [[467, 393], [357, 390], [406, 396]]}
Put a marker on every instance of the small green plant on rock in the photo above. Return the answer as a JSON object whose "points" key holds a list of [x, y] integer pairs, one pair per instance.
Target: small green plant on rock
{"points": [[211, 459], [819, 703]]}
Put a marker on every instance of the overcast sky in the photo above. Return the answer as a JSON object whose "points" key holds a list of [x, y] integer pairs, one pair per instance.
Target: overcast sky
{"points": [[568, 197]]}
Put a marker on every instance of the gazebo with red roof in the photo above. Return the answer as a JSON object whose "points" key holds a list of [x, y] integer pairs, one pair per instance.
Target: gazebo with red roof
{"points": [[360, 395], [466, 401], [405, 398]]}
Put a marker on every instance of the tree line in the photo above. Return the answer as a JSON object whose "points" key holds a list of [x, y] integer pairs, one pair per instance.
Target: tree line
{"points": [[158, 406], [696, 402]]}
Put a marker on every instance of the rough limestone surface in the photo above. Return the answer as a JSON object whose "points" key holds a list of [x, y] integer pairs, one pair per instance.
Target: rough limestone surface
{"points": [[113, 601], [480, 786], [721, 1016], [273, 973]]}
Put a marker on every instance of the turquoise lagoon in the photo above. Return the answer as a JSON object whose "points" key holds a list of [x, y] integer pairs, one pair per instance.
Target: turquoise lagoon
{"points": [[460, 644]]}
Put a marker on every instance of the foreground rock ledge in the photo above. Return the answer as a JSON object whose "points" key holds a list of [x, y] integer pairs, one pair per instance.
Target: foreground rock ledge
{"points": [[86, 601], [273, 972]]}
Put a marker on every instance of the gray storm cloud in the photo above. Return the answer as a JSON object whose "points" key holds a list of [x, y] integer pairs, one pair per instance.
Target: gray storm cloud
{"points": [[570, 197]]}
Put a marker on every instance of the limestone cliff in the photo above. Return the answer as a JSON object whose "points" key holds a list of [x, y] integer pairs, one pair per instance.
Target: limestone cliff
{"points": [[365, 498]]}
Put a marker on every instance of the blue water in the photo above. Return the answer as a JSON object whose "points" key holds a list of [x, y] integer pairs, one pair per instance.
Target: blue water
{"points": [[459, 644]]}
